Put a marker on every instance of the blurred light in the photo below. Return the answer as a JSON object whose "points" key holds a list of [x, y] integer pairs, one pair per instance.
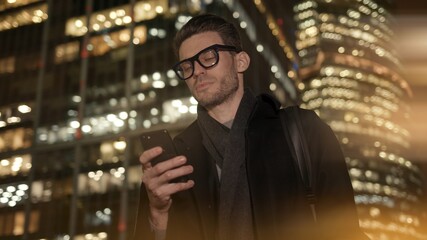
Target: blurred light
{"points": [[183, 109], [273, 87], [193, 100], [176, 103], [86, 128], [144, 78], [141, 96], [74, 124], [118, 122], [274, 69], [123, 115], [24, 109], [193, 109], [159, 9], [157, 76], [147, 123], [154, 111], [13, 120], [4, 162], [23, 187], [158, 84], [76, 99], [120, 145], [170, 73]]}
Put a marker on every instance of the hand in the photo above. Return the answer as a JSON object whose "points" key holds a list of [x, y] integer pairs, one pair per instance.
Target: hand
{"points": [[159, 189]]}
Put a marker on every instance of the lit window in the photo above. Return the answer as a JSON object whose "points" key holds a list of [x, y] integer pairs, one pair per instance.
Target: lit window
{"points": [[66, 52], [144, 10], [99, 45], [30, 15], [7, 65], [14, 3], [15, 139]]}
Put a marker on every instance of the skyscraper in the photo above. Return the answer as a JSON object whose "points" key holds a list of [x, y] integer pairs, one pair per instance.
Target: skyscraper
{"points": [[80, 80], [351, 76]]}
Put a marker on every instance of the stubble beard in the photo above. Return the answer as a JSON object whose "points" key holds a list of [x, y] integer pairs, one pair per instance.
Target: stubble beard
{"points": [[226, 91]]}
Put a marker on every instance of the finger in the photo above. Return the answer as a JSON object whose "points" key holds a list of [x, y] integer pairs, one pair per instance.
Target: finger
{"points": [[176, 173], [148, 155], [158, 183], [165, 171], [179, 186], [174, 162], [164, 192]]}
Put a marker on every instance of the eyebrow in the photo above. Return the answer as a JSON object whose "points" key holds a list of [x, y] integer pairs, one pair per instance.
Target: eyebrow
{"points": [[216, 45]]}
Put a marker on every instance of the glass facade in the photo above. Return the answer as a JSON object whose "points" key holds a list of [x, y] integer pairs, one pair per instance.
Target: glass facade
{"points": [[351, 76], [80, 81]]}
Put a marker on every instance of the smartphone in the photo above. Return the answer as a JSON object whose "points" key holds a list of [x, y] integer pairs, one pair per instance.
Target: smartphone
{"points": [[160, 138], [163, 139]]}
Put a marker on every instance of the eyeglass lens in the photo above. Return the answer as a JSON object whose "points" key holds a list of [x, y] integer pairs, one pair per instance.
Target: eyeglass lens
{"points": [[206, 59]]}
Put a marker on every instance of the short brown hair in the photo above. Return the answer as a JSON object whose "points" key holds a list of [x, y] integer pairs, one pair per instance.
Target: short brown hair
{"points": [[208, 23]]}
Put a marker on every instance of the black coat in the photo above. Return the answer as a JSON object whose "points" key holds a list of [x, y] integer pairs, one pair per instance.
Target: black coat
{"points": [[280, 209]]}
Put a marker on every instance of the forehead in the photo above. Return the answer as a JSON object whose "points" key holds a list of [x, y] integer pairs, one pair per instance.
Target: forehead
{"points": [[198, 42]]}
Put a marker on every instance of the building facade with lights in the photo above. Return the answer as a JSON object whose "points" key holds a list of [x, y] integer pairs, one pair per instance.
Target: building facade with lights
{"points": [[80, 81], [350, 75]]}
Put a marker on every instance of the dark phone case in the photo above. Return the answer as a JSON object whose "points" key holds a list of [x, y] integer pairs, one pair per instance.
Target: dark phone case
{"points": [[159, 138]]}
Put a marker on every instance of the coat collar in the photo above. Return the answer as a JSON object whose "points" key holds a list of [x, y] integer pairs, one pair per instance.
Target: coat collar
{"points": [[189, 143]]}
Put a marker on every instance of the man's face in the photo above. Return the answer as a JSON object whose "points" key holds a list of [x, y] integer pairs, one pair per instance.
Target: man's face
{"points": [[215, 85]]}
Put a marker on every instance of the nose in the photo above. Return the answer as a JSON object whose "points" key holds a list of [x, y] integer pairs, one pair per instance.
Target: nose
{"points": [[198, 69]]}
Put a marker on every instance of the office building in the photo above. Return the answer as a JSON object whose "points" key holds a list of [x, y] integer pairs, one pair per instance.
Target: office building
{"points": [[80, 81], [351, 76]]}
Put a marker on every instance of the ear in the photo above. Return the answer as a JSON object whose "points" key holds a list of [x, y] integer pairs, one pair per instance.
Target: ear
{"points": [[242, 60]]}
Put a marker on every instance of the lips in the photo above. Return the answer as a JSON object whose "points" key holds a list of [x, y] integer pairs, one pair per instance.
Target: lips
{"points": [[201, 86]]}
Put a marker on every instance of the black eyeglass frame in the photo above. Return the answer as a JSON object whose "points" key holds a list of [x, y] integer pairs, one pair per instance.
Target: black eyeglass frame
{"points": [[215, 47]]}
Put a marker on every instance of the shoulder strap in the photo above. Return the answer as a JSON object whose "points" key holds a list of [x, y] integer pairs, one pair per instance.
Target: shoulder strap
{"points": [[293, 131]]}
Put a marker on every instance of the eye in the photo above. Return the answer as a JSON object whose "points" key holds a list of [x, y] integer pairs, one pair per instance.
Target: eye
{"points": [[185, 66], [208, 57]]}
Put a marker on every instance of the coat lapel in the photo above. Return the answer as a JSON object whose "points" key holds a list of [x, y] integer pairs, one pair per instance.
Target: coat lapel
{"points": [[204, 192]]}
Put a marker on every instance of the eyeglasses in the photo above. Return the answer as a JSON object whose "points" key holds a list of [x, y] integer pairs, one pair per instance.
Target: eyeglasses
{"points": [[207, 58]]}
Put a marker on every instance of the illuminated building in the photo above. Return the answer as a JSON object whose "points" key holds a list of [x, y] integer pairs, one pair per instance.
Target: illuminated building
{"points": [[350, 75], [80, 81]]}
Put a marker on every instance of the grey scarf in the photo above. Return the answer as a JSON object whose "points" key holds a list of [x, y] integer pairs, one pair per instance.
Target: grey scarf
{"points": [[227, 148]]}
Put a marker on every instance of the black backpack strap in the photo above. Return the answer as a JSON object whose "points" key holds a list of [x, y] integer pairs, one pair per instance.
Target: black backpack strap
{"points": [[293, 131]]}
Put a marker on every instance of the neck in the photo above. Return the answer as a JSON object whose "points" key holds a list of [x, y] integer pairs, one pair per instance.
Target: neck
{"points": [[226, 111]]}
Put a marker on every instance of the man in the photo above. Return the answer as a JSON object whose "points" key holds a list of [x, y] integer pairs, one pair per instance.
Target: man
{"points": [[242, 183]]}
